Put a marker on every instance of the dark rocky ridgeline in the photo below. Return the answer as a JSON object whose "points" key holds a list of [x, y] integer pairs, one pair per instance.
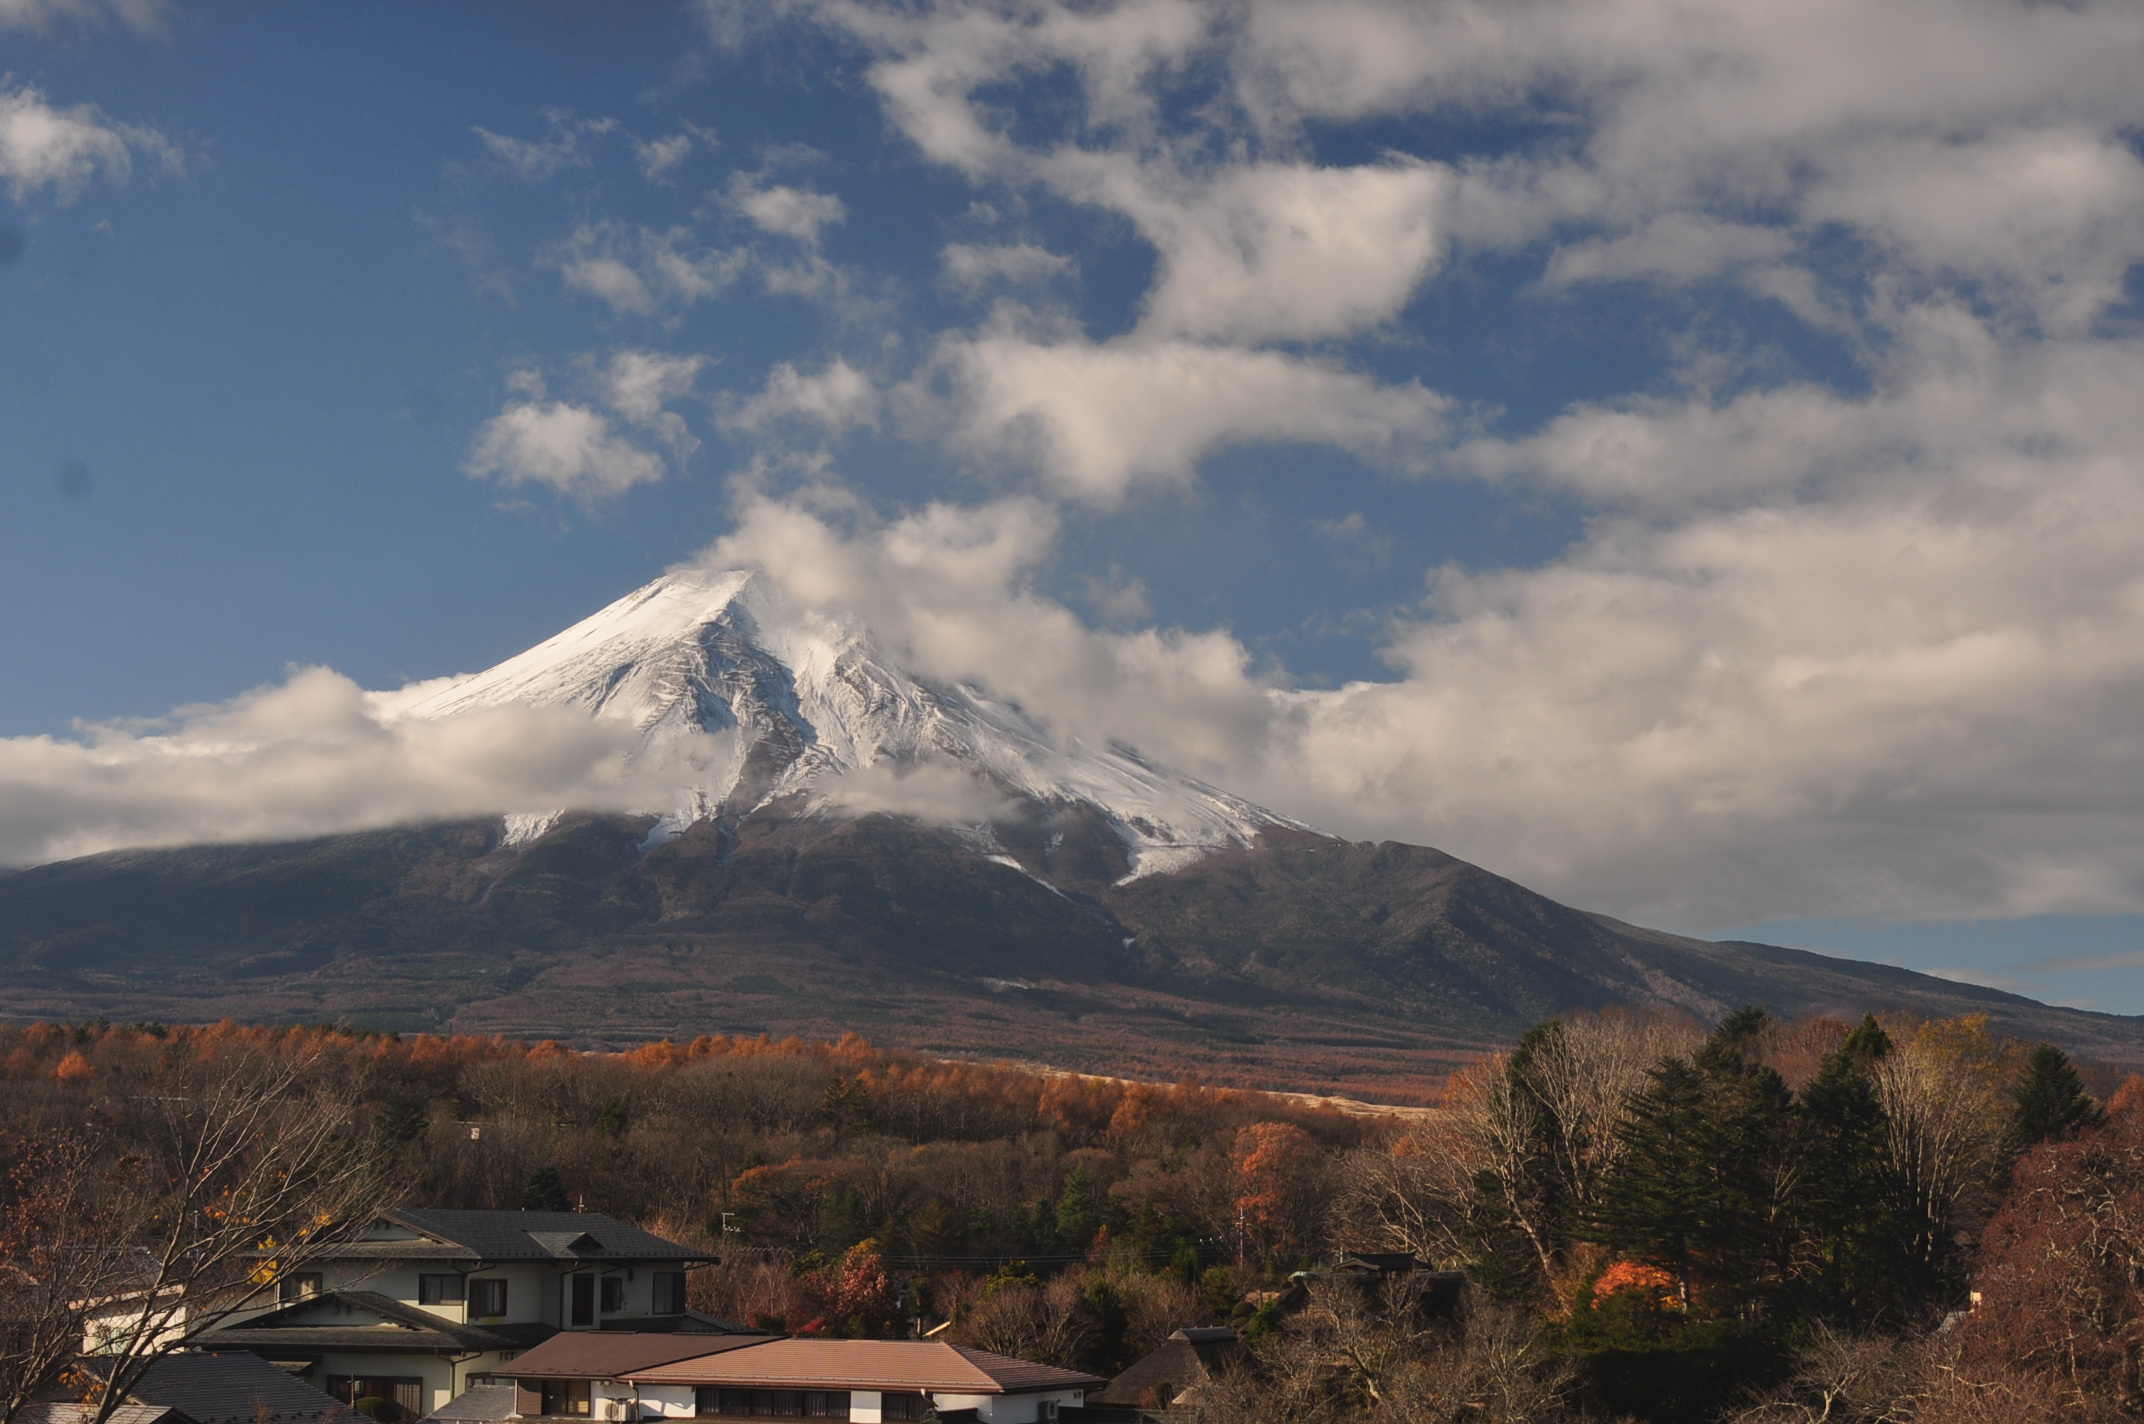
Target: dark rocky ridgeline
{"points": [[1301, 961]]}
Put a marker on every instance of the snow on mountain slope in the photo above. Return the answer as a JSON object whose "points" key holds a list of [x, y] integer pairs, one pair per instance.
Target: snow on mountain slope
{"points": [[749, 698]]}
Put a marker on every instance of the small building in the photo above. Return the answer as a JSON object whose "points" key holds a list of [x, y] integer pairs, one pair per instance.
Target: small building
{"points": [[1172, 1376], [1395, 1278], [862, 1381], [417, 1306]]}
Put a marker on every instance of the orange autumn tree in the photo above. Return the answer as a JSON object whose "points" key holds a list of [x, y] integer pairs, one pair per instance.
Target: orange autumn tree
{"points": [[1277, 1167]]}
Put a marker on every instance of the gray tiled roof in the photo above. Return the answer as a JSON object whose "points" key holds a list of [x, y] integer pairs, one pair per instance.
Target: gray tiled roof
{"points": [[232, 1387], [534, 1236], [1186, 1359], [486, 1404], [71, 1413], [277, 1331]]}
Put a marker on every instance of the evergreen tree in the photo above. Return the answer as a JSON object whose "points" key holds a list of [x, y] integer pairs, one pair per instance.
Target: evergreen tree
{"points": [[1656, 1204], [1712, 1152], [545, 1192], [1857, 1273], [2052, 1105], [1079, 1209], [1867, 1043]]}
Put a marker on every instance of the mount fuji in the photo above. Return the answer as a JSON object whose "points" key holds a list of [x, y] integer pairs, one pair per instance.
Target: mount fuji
{"points": [[752, 701], [831, 842]]}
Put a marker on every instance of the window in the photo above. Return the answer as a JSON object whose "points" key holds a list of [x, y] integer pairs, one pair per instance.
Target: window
{"points": [[565, 1397], [487, 1298], [613, 1294], [299, 1287], [580, 1302], [406, 1391], [903, 1406], [439, 1290], [827, 1404], [669, 1292]]}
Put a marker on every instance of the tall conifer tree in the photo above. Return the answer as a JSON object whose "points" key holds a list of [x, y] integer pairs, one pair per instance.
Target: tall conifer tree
{"points": [[2052, 1105]]}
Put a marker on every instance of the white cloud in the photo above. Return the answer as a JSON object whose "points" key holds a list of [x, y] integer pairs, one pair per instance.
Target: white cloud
{"points": [[1273, 251], [309, 756], [659, 157], [835, 399], [1982, 141], [784, 211], [45, 146], [1100, 419], [573, 449], [537, 159], [645, 271], [1675, 247], [928, 790], [143, 16], [973, 267], [638, 385]]}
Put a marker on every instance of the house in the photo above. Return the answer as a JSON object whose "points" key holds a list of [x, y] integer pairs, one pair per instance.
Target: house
{"points": [[220, 1388], [1395, 1278], [1171, 1377], [417, 1306], [739, 1377]]}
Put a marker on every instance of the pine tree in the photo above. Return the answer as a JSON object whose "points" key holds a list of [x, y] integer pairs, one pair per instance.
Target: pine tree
{"points": [[1711, 1158], [1656, 1204], [545, 1192], [1079, 1211], [2052, 1105], [1857, 1274]]}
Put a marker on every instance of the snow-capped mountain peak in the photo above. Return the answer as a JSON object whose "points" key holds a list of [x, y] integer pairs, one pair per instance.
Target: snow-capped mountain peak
{"points": [[752, 698]]}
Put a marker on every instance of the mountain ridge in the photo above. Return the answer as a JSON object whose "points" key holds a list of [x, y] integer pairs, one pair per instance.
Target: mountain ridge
{"points": [[1298, 962]]}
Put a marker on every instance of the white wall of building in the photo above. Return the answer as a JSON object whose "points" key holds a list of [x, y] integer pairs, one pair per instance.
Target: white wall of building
{"points": [[1008, 1408]]}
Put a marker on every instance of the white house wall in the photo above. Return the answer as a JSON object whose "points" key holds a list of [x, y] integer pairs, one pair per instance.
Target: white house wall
{"points": [[1008, 1408]]}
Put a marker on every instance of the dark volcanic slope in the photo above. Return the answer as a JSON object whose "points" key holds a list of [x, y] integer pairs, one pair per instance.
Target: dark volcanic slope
{"points": [[1303, 962]]}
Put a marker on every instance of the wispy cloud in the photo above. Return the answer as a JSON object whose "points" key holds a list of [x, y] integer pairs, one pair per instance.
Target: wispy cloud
{"points": [[44, 146], [45, 16], [566, 145]]}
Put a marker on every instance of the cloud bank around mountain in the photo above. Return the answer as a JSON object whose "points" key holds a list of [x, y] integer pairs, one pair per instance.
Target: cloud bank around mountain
{"points": [[311, 755]]}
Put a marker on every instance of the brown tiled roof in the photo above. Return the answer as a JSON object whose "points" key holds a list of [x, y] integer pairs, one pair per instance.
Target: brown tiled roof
{"points": [[929, 1365], [594, 1354]]}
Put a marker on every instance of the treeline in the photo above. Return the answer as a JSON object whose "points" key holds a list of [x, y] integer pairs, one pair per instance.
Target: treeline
{"points": [[1781, 1222]]}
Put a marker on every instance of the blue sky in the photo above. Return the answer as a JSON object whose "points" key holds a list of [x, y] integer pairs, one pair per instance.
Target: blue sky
{"points": [[1686, 460]]}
